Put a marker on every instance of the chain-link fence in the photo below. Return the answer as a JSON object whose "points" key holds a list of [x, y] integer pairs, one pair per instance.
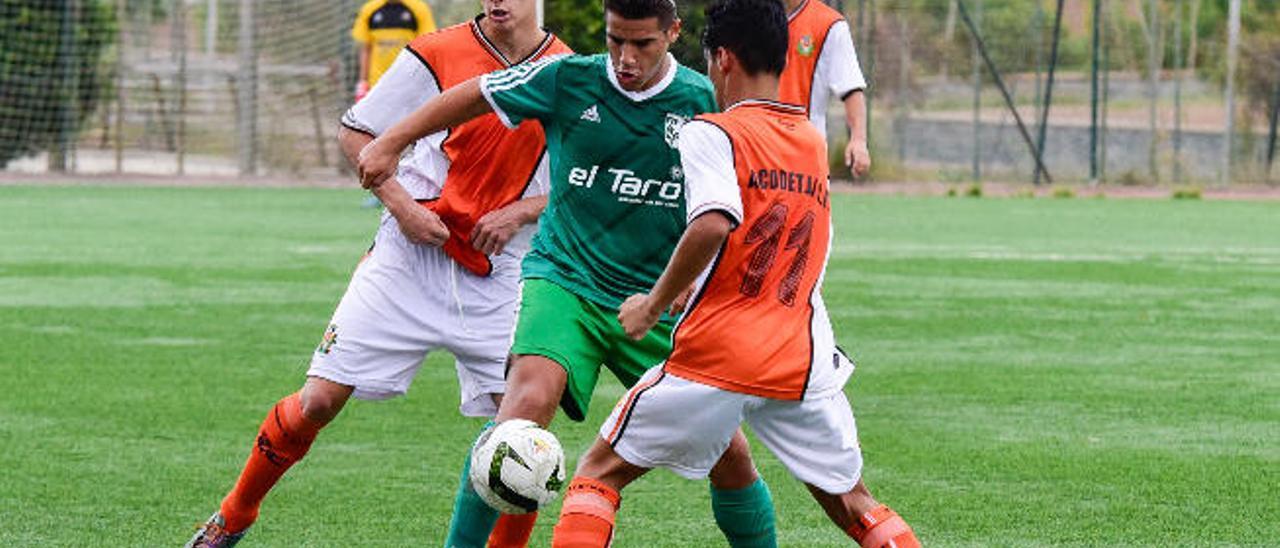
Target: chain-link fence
{"points": [[200, 87], [1118, 91]]}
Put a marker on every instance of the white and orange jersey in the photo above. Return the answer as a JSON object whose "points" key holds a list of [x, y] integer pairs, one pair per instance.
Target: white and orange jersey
{"points": [[757, 323], [470, 170], [821, 61]]}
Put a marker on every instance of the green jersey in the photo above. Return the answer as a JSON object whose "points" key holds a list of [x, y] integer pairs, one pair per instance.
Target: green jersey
{"points": [[617, 207]]}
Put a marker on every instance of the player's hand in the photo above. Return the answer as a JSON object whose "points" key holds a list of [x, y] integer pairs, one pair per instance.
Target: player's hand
{"points": [[681, 302], [495, 229], [857, 158], [377, 162], [422, 226], [637, 315], [362, 89]]}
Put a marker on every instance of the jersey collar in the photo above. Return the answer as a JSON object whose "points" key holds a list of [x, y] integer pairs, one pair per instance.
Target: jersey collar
{"points": [[638, 96], [493, 50], [791, 16], [766, 103]]}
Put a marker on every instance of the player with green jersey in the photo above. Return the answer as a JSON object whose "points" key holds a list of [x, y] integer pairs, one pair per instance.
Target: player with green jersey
{"points": [[614, 211], [614, 215]]}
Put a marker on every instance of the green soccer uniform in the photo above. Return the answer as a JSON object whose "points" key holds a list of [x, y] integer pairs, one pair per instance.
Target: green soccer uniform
{"points": [[615, 212]]}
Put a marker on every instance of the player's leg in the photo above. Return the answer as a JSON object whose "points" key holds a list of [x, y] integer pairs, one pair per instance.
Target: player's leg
{"points": [[662, 421], [534, 385], [479, 339], [740, 498], [283, 439], [556, 363], [589, 513], [371, 349], [817, 440]]}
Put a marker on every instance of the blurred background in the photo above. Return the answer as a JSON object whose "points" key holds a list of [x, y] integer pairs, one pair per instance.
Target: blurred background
{"points": [[1115, 92]]}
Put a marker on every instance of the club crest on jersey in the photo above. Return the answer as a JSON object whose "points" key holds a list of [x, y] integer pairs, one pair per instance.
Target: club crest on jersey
{"points": [[330, 338], [671, 129], [805, 46]]}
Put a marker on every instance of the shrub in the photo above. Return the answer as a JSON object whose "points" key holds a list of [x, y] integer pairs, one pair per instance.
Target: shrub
{"points": [[50, 86]]}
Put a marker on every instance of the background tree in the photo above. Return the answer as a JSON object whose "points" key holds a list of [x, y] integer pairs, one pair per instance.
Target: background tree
{"points": [[50, 86], [580, 23]]}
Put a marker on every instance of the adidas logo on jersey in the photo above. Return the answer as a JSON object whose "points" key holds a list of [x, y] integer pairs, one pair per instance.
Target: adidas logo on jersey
{"points": [[591, 114]]}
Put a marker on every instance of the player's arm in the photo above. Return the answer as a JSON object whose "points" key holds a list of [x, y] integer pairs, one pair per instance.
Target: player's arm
{"points": [[839, 65], [377, 161], [857, 156], [497, 227], [362, 86], [361, 35], [405, 85], [714, 202], [697, 248], [419, 224], [522, 92]]}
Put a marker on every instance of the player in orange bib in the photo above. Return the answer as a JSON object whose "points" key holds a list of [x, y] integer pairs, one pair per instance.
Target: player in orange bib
{"points": [[755, 343], [443, 273], [822, 63]]}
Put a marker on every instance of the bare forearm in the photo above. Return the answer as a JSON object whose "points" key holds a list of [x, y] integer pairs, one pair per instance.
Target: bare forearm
{"points": [[529, 209], [451, 108], [697, 248], [392, 195], [351, 142], [855, 114], [396, 199], [364, 61]]}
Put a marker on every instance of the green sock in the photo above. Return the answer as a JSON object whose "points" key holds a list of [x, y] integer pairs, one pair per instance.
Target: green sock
{"points": [[745, 516], [473, 519]]}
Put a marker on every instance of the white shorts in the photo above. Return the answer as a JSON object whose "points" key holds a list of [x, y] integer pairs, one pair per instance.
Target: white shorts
{"points": [[405, 300], [665, 421]]}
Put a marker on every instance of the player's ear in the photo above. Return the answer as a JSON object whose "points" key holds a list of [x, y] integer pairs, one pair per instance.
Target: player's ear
{"points": [[724, 59], [673, 32]]}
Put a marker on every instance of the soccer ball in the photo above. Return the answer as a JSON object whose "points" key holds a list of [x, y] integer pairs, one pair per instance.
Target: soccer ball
{"points": [[517, 467]]}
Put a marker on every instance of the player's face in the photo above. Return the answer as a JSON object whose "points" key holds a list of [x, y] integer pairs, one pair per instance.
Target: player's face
{"points": [[638, 49], [507, 15]]}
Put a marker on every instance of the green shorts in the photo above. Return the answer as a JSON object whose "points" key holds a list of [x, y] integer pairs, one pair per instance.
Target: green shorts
{"points": [[581, 336]]}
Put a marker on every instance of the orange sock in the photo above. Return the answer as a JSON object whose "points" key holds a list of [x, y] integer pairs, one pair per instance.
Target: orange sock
{"points": [[283, 439], [881, 527], [587, 516], [512, 530]]}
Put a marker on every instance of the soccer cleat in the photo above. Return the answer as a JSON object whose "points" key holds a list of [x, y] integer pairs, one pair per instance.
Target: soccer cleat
{"points": [[213, 534]]}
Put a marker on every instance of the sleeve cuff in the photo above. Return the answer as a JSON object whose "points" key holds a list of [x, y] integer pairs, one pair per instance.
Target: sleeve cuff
{"points": [[728, 210], [349, 121], [488, 96], [845, 96]]}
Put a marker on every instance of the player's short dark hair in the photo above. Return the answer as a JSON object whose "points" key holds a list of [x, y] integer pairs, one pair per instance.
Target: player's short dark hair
{"points": [[754, 30], [664, 10]]}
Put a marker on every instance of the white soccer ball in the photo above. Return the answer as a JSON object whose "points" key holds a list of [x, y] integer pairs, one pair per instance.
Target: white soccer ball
{"points": [[517, 467]]}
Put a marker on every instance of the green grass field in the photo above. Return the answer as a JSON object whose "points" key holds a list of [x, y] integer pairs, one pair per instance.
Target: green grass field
{"points": [[1031, 372]]}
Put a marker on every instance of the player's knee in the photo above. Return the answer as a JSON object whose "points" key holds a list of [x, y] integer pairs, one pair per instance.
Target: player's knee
{"points": [[528, 402], [321, 401], [534, 386]]}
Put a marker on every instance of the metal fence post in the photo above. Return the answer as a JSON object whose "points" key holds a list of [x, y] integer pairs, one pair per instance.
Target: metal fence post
{"points": [[1177, 91], [1233, 51], [121, 23], [1048, 91], [247, 91], [180, 39], [1093, 92], [977, 95]]}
